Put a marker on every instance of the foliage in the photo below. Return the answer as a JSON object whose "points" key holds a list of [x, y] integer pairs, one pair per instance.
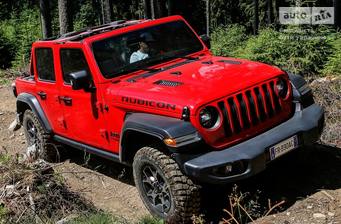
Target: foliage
{"points": [[333, 65], [97, 217], [20, 31], [150, 220], [226, 41], [297, 51], [86, 17], [6, 51]]}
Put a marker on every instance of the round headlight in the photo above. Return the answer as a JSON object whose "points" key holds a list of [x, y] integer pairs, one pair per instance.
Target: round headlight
{"points": [[209, 117], [282, 88]]}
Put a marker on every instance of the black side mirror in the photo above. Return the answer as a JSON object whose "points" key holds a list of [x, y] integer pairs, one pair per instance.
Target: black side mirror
{"points": [[79, 80], [207, 40]]}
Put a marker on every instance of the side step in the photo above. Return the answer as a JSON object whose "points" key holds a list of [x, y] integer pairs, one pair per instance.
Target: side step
{"points": [[90, 149]]}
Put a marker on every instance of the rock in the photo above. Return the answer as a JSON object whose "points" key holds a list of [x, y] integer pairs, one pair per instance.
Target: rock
{"points": [[309, 207], [331, 214], [12, 136], [14, 126], [1, 113], [31, 153], [319, 216]]}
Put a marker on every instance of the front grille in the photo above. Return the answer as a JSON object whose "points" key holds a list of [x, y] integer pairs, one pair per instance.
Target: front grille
{"points": [[249, 108]]}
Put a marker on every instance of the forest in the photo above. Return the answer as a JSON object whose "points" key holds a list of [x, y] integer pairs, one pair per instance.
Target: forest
{"points": [[303, 188], [246, 28]]}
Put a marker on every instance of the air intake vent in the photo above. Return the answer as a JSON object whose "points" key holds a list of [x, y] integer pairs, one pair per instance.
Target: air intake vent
{"points": [[168, 83]]}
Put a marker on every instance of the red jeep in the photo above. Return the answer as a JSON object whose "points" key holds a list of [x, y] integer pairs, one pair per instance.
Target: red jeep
{"points": [[149, 93]]}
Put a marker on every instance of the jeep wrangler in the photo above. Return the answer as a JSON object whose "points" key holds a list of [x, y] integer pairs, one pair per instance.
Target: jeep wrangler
{"points": [[150, 94]]}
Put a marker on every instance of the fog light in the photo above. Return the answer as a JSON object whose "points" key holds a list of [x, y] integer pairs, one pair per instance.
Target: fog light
{"points": [[223, 170]]}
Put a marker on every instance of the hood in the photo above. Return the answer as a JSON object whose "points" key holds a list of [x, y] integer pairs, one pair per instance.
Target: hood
{"points": [[193, 83]]}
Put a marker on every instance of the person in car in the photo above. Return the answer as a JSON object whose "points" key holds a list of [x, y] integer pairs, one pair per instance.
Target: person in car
{"points": [[142, 52]]}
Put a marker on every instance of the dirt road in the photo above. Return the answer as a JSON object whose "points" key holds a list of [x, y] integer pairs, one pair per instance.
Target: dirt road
{"points": [[309, 181], [109, 190]]}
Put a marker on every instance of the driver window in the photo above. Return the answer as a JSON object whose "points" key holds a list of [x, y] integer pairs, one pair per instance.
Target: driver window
{"points": [[72, 60]]}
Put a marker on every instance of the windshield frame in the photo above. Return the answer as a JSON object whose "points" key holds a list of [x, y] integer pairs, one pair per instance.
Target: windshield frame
{"points": [[137, 27]]}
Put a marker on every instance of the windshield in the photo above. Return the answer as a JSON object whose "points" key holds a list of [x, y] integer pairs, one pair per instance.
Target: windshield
{"points": [[144, 47]]}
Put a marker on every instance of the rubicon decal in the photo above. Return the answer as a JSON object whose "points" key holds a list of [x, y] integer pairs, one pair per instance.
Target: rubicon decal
{"points": [[148, 103]]}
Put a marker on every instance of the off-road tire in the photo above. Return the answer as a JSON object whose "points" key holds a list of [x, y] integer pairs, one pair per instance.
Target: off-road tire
{"points": [[45, 149], [185, 195]]}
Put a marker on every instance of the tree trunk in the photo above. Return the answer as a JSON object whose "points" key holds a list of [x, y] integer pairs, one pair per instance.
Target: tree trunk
{"points": [[208, 11], [256, 17], [146, 6], [269, 12], [337, 7], [65, 22], [152, 8], [45, 16], [160, 8], [106, 11], [170, 7]]}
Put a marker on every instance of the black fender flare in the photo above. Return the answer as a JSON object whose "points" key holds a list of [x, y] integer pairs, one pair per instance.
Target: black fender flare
{"points": [[301, 91], [30, 100], [157, 126]]}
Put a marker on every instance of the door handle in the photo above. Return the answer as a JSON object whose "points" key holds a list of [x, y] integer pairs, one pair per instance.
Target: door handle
{"points": [[42, 95], [67, 100]]}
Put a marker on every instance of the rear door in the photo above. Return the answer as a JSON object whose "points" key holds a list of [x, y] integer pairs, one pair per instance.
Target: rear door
{"points": [[48, 86], [84, 118]]}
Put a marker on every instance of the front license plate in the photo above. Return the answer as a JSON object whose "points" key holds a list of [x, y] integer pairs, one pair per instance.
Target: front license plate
{"points": [[283, 147]]}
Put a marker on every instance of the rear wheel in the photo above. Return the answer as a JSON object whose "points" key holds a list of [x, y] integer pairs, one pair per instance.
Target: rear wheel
{"points": [[37, 136], [165, 191]]}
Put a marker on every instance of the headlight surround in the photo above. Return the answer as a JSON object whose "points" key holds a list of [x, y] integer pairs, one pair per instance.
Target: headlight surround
{"points": [[282, 88], [209, 117]]}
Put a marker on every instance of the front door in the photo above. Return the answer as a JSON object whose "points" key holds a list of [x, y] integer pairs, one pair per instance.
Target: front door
{"points": [[84, 120]]}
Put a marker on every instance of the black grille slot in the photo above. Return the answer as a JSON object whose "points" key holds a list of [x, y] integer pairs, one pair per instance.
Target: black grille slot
{"points": [[234, 114], [275, 97], [168, 83], [226, 121], [243, 109], [268, 100], [252, 107], [260, 104]]}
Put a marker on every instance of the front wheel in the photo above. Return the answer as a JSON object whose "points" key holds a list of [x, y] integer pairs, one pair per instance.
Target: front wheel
{"points": [[165, 191]]}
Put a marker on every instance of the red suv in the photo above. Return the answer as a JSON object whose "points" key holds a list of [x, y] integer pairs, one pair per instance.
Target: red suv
{"points": [[150, 94]]}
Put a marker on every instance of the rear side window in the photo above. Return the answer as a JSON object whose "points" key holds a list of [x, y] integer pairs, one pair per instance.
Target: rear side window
{"points": [[45, 65], [72, 60]]}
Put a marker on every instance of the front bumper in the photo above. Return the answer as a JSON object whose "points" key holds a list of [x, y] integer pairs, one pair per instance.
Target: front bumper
{"points": [[306, 123]]}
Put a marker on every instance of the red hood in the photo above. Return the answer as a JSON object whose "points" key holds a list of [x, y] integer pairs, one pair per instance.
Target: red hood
{"points": [[201, 81]]}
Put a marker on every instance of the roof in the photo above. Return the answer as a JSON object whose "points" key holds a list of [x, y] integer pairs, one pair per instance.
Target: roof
{"points": [[91, 31]]}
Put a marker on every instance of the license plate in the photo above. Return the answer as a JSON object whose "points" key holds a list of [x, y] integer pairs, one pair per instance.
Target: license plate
{"points": [[283, 147]]}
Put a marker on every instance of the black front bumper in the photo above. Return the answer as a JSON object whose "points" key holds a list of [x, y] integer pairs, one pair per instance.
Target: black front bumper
{"points": [[306, 123]]}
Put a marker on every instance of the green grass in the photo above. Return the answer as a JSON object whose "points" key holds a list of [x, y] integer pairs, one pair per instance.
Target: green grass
{"points": [[98, 218], [105, 218], [4, 158], [151, 220], [3, 79]]}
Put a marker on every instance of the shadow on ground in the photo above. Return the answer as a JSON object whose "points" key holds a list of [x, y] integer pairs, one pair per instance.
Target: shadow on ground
{"points": [[291, 178]]}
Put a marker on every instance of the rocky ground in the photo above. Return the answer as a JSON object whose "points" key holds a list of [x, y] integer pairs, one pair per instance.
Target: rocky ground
{"points": [[306, 183]]}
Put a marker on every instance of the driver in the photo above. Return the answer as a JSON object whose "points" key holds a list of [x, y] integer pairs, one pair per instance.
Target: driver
{"points": [[142, 52]]}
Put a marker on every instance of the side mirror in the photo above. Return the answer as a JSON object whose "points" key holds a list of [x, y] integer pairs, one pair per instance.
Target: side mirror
{"points": [[207, 40], [79, 80]]}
